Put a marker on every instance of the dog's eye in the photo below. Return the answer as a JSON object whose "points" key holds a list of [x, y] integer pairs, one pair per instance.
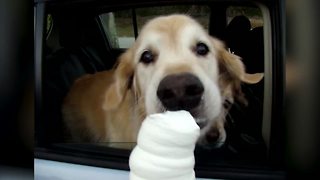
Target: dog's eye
{"points": [[201, 49], [147, 57]]}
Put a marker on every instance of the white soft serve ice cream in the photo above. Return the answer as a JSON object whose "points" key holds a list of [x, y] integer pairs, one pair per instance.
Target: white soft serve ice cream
{"points": [[165, 146]]}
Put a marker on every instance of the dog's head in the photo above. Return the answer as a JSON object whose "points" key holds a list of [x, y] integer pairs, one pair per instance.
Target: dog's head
{"points": [[175, 65]]}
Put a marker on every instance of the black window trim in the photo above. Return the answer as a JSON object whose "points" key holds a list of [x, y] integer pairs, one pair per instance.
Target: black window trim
{"points": [[38, 45], [134, 23]]}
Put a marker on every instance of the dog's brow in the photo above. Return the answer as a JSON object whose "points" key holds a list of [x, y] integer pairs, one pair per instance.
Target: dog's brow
{"points": [[171, 28]]}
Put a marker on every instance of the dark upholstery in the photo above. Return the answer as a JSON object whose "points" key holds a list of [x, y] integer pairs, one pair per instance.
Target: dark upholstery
{"points": [[237, 34], [255, 54], [244, 123], [83, 50]]}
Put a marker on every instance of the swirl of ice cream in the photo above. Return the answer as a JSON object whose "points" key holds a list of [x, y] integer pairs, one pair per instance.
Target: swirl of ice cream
{"points": [[165, 146]]}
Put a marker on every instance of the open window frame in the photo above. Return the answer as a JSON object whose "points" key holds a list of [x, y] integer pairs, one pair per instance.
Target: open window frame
{"points": [[273, 119]]}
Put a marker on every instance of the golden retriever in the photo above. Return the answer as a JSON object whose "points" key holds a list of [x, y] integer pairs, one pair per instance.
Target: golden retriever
{"points": [[173, 65]]}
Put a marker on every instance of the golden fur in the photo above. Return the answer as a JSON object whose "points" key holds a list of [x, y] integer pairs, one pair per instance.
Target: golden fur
{"points": [[110, 106]]}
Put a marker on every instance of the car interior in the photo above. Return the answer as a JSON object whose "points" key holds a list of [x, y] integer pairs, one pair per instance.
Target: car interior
{"points": [[76, 43]]}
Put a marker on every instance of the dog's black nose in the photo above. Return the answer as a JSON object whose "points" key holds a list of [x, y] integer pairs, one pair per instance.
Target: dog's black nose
{"points": [[180, 91]]}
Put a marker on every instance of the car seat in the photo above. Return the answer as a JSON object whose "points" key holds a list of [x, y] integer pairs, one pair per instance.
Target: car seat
{"points": [[244, 122], [83, 49]]}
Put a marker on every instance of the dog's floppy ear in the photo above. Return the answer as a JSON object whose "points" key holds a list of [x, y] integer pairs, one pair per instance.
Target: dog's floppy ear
{"points": [[232, 73], [122, 80]]}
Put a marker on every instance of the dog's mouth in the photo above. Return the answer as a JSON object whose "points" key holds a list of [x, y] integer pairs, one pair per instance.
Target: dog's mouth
{"points": [[210, 136], [201, 124], [195, 113], [200, 120]]}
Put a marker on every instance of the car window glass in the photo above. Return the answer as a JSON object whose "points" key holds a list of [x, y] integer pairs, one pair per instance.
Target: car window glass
{"points": [[200, 13], [119, 25], [252, 13]]}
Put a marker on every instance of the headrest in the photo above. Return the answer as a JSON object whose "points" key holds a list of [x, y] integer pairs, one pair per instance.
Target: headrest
{"points": [[239, 24]]}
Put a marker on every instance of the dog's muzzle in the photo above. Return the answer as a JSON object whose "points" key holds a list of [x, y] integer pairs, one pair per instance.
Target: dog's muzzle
{"points": [[180, 91]]}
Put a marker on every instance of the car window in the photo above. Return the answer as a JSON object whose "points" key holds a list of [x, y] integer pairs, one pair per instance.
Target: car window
{"points": [[49, 25], [243, 36], [244, 121], [254, 14], [78, 44]]}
